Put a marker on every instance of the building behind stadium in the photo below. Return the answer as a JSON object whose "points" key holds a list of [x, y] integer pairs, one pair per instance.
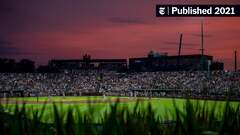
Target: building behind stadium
{"points": [[152, 62]]}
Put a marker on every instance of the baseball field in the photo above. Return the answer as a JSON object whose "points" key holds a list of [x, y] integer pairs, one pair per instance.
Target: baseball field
{"points": [[98, 106]]}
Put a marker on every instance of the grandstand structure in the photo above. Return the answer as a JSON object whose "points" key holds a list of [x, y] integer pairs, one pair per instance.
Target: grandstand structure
{"points": [[175, 63], [153, 62], [86, 63], [151, 84]]}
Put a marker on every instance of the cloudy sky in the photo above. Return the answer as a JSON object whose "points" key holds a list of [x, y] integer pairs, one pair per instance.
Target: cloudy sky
{"points": [[56, 29]]}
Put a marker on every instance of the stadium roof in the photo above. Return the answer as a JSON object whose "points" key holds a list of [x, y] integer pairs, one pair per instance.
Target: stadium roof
{"points": [[176, 56], [91, 60]]}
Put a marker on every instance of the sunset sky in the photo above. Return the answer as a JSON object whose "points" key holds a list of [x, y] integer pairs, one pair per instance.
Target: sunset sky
{"points": [[55, 29]]}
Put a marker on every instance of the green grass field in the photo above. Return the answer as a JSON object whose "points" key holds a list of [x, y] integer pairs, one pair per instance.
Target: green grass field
{"points": [[118, 115], [163, 107]]}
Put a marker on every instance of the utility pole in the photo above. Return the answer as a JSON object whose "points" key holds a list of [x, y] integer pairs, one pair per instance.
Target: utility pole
{"points": [[235, 61], [202, 59], [179, 50], [180, 45], [202, 46]]}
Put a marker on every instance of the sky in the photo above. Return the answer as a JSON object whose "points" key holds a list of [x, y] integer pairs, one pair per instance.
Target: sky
{"points": [[66, 29]]}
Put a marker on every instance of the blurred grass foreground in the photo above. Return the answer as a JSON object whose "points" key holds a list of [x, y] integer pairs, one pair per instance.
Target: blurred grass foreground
{"points": [[193, 118]]}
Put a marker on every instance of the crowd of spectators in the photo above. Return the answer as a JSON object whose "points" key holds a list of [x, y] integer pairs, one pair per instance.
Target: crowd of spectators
{"points": [[197, 83]]}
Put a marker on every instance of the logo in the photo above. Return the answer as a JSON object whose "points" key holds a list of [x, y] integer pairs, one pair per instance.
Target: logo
{"points": [[162, 11]]}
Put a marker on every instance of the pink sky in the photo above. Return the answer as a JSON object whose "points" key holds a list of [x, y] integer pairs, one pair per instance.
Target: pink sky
{"points": [[59, 29]]}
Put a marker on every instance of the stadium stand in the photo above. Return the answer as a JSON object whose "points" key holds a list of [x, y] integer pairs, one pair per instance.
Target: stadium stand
{"points": [[215, 84]]}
